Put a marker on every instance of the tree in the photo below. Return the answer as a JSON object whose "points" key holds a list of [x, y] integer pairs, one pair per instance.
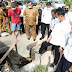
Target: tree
{"points": [[69, 2]]}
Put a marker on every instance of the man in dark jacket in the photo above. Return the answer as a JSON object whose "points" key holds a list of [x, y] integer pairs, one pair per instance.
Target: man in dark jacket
{"points": [[39, 20]]}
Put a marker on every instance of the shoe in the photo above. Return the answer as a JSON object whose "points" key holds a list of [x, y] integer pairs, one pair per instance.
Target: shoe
{"points": [[41, 38], [5, 31], [52, 65], [23, 32], [34, 39], [10, 33], [28, 38], [37, 52]]}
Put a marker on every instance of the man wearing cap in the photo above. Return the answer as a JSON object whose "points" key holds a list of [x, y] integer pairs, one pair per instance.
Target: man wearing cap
{"points": [[30, 20]]}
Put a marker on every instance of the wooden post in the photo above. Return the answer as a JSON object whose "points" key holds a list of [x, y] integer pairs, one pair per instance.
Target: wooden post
{"points": [[6, 54]]}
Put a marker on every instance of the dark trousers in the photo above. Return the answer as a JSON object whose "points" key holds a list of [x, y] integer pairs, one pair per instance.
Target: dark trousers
{"points": [[22, 25], [45, 45], [37, 27], [43, 28], [63, 65]]}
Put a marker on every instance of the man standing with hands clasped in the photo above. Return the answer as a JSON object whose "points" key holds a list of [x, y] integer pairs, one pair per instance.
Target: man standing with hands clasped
{"points": [[30, 20]]}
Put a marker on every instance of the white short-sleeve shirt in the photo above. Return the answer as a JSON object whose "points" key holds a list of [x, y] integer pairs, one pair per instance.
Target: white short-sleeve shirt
{"points": [[68, 50], [68, 16], [46, 15], [22, 10], [59, 32], [53, 23]]}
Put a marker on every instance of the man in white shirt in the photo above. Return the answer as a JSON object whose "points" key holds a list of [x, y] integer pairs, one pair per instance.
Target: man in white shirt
{"points": [[68, 14], [66, 60], [25, 5], [46, 19], [54, 21], [57, 35], [21, 17]]}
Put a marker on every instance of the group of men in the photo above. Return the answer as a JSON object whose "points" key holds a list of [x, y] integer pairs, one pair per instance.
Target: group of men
{"points": [[27, 15], [58, 23]]}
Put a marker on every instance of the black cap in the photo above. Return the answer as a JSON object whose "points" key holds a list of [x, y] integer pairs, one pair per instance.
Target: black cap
{"points": [[29, 1], [48, 3]]}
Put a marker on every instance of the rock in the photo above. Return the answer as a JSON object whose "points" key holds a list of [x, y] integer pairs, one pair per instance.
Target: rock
{"points": [[45, 58], [4, 34]]}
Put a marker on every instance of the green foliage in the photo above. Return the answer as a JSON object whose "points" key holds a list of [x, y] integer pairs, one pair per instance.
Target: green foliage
{"points": [[68, 2], [39, 69]]}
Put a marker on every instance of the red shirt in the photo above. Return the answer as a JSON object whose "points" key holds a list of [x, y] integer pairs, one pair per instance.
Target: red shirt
{"points": [[15, 15]]}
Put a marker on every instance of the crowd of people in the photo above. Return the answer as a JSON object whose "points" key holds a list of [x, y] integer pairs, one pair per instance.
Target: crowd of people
{"points": [[28, 17]]}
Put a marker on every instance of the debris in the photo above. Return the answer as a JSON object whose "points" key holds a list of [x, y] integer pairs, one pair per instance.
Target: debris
{"points": [[6, 68]]}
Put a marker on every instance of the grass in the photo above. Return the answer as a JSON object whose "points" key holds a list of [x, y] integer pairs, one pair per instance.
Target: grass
{"points": [[39, 69]]}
